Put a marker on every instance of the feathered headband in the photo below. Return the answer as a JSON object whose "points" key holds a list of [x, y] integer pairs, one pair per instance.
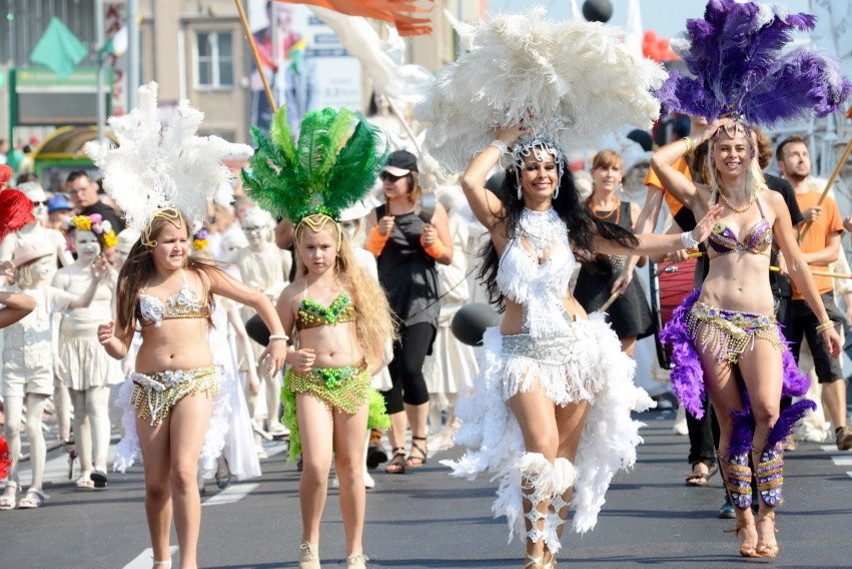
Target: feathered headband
{"points": [[572, 81], [736, 54], [157, 167], [16, 211], [336, 161]]}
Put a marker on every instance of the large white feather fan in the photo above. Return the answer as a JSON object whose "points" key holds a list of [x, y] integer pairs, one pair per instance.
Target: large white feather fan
{"points": [[573, 81], [156, 167]]}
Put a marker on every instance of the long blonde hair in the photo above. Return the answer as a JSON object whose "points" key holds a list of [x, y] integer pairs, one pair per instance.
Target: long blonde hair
{"points": [[373, 320]]}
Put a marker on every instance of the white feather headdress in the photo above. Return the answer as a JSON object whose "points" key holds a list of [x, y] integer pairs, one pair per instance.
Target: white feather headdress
{"points": [[573, 81], [157, 167]]}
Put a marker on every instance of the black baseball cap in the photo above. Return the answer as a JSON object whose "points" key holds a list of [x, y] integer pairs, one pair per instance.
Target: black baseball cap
{"points": [[401, 162]]}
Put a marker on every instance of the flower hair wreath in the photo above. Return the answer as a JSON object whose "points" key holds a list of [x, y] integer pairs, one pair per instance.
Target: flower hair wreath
{"points": [[96, 224]]}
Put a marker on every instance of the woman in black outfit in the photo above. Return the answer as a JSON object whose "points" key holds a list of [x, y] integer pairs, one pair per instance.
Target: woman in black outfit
{"points": [[407, 248], [629, 314]]}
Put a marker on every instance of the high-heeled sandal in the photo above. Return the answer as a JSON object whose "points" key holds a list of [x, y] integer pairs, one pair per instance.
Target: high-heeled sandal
{"points": [[762, 548], [745, 550], [397, 463], [417, 461]]}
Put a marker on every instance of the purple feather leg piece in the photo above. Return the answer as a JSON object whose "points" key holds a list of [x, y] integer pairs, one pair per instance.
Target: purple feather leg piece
{"points": [[687, 376]]}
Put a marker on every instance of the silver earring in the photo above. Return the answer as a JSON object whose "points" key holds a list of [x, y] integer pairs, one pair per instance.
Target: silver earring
{"points": [[520, 192], [556, 193]]}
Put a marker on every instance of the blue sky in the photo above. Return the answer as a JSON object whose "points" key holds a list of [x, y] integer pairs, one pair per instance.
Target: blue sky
{"points": [[666, 17]]}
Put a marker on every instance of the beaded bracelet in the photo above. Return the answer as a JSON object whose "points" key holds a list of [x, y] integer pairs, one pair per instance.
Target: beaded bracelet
{"points": [[824, 326], [278, 337], [500, 145]]}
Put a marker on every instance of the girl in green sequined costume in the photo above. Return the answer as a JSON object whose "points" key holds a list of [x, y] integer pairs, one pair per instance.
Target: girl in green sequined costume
{"points": [[341, 321]]}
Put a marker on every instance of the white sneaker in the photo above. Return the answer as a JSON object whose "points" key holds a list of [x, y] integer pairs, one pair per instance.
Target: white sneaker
{"points": [[369, 482]]}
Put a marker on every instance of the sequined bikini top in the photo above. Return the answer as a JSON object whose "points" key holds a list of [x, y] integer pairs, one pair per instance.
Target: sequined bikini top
{"points": [[312, 313], [758, 240], [185, 303], [539, 286]]}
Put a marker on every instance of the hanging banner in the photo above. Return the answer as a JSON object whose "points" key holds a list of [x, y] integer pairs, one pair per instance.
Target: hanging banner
{"points": [[305, 63]]}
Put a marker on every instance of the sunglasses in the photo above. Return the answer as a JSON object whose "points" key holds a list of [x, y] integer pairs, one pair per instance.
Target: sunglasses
{"points": [[39, 203], [388, 177]]}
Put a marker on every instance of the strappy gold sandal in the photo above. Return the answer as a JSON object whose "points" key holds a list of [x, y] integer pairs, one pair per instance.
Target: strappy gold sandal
{"points": [[764, 549]]}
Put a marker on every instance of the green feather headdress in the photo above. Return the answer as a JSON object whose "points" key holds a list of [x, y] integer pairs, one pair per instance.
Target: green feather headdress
{"points": [[335, 162]]}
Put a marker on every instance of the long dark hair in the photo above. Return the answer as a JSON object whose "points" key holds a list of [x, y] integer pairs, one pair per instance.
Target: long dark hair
{"points": [[582, 226]]}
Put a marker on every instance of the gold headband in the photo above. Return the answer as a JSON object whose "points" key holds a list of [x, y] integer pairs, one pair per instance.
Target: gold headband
{"points": [[171, 215], [316, 222]]}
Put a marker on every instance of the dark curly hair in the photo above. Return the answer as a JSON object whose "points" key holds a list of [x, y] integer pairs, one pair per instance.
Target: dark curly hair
{"points": [[582, 225]]}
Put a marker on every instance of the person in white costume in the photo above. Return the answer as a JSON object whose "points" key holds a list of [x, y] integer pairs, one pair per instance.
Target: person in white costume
{"points": [[450, 368], [28, 361], [550, 414], [85, 369], [264, 267]]}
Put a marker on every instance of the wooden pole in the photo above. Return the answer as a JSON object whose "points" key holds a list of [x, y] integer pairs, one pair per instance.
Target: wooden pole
{"points": [[256, 54], [831, 180], [771, 268]]}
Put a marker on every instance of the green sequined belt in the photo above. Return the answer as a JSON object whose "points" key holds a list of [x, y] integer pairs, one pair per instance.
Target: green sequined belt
{"points": [[154, 394], [730, 332], [345, 388]]}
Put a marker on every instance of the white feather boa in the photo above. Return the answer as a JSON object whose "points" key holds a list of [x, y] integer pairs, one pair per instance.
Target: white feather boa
{"points": [[608, 443], [156, 166], [576, 79]]}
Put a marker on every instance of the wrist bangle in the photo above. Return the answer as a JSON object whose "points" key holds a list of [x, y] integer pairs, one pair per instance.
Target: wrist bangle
{"points": [[500, 145], [824, 326], [690, 144], [278, 337], [688, 241]]}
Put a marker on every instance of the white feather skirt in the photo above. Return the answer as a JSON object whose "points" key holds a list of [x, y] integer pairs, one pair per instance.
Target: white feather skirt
{"points": [[214, 438], [597, 371]]}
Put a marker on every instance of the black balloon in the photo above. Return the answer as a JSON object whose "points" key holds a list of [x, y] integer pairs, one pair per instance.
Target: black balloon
{"points": [[597, 10], [642, 138], [257, 330], [470, 322]]}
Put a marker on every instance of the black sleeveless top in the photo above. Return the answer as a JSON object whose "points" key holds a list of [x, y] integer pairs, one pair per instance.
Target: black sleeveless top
{"points": [[630, 314], [407, 274]]}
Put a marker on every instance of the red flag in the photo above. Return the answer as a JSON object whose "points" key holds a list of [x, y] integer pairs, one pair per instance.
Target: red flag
{"points": [[400, 13]]}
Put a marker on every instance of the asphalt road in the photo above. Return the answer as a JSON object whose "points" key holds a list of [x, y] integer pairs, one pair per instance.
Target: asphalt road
{"points": [[425, 519]]}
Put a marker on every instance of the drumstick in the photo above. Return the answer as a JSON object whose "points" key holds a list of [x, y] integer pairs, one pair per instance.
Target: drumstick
{"points": [[819, 273], [840, 164], [776, 269], [609, 301]]}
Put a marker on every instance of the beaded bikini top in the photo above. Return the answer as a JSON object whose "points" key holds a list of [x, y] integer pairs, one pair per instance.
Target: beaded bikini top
{"points": [[185, 303], [757, 241], [312, 313], [538, 281]]}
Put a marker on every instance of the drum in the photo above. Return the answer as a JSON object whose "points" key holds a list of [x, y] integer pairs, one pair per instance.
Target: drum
{"points": [[670, 284]]}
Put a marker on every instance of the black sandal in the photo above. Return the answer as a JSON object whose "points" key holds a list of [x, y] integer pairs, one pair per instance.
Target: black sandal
{"points": [[397, 463], [417, 461]]}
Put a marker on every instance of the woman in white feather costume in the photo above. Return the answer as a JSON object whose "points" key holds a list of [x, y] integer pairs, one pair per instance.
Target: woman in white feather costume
{"points": [[549, 418]]}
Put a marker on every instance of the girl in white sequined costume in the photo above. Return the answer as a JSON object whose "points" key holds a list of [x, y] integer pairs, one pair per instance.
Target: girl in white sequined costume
{"points": [[550, 414], [166, 294]]}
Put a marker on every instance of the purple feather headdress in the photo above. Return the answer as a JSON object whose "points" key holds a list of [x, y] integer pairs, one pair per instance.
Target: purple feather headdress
{"points": [[736, 54]]}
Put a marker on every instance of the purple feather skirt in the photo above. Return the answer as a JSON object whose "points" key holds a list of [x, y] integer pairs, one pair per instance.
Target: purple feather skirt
{"points": [[687, 379]]}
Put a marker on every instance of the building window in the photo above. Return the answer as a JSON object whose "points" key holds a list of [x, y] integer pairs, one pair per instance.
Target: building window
{"points": [[215, 59]]}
